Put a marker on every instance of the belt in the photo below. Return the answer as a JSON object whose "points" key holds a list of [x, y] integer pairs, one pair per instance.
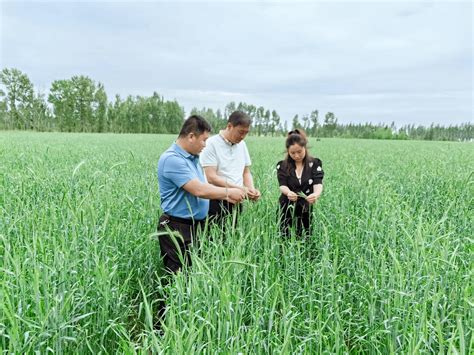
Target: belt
{"points": [[188, 221]]}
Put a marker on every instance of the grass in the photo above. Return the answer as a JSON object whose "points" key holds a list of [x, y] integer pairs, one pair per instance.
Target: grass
{"points": [[388, 269]]}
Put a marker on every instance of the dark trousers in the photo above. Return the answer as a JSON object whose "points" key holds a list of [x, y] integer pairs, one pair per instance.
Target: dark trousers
{"points": [[295, 217], [219, 209], [174, 245]]}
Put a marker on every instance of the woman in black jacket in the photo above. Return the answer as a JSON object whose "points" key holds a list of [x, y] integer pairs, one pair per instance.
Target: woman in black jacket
{"points": [[301, 182]]}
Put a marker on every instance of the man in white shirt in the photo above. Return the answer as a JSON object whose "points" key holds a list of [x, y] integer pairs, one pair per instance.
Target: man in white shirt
{"points": [[226, 162]]}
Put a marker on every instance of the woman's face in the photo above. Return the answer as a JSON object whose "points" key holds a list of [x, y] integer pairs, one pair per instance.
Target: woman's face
{"points": [[297, 152]]}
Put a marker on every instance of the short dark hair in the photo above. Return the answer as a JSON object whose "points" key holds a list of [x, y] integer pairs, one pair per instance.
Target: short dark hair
{"points": [[239, 118], [194, 124]]}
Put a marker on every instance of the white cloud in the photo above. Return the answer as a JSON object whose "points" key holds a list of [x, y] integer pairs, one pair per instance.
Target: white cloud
{"points": [[362, 60]]}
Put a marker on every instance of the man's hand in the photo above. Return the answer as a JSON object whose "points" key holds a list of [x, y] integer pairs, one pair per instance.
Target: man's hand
{"points": [[253, 194], [312, 198], [235, 195], [292, 196]]}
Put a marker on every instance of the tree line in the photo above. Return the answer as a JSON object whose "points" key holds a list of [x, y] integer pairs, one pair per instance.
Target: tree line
{"points": [[80, 104], [266, 122]]}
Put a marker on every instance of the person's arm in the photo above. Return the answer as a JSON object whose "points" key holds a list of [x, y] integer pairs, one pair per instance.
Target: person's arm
{"points": [[317, 175], [282, 176], [317, 190], [252, 192], [208, 191], [177, 171], [248, 179], [216, 180], [292, 196]]}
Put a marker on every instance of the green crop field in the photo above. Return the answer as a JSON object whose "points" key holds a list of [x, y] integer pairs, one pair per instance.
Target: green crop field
{"points": [[389, 268]]}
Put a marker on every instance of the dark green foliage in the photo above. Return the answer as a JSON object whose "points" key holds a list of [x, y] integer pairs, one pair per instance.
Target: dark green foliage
{"points": [[216, 119], [80, 105], [77, 104], [144, 115], [18, 99]]}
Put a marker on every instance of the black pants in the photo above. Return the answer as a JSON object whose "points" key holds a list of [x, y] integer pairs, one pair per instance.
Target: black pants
{"points": [[219, 209], [174, 247], [297, 217]]}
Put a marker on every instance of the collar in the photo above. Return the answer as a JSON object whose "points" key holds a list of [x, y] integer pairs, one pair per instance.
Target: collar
{"points": [[177, 148], [225, 139], [293, 166]]}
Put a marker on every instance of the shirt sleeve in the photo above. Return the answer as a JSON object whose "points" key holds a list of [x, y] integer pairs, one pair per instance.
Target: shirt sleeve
{"points": [[282, 175], [317, 173], [248, 162], [208, 156], [177, 171]]}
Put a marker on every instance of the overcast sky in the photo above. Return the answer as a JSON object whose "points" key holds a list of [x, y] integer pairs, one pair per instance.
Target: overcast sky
{"points": [[404, 61]]}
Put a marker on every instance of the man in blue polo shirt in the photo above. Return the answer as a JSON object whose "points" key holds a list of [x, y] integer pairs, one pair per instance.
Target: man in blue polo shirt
{"points": [[185, 193]]}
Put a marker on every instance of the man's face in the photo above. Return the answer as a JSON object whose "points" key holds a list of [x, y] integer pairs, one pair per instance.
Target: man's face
{"points": [[197, 142], [236, 134]]}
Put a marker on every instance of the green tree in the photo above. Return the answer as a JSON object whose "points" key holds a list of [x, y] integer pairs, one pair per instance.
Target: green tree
{"points": [[259, 120], [84, 90], [229, 108], [314, 116], [100, 109], [174, 116], [266, 122], [215, 119], [42, 118], [62, 99], [78, 103], [295, 123], [3, 110], [330, 124], [275, 122], [19, 99]]}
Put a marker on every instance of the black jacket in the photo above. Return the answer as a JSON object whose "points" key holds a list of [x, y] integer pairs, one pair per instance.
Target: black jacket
{"points": [[313, 174]]}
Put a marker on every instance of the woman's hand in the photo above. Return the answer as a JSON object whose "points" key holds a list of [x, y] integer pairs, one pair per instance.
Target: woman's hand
{"points": [[292, 196], [312, 198]]}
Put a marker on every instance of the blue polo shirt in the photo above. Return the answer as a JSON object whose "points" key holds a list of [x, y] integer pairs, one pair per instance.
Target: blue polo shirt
{"points": [[176, 167]]}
